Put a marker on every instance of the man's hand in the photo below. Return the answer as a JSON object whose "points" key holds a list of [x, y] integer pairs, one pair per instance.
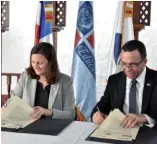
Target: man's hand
{"points": [[39, 111], [98, 117], [131, 120]]}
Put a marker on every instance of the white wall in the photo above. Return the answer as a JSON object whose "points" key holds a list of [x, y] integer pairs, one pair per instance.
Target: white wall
{"points": [[18, 41]]}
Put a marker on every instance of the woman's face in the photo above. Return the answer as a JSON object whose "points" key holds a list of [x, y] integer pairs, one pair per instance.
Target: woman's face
{"points": [[39, 64]]}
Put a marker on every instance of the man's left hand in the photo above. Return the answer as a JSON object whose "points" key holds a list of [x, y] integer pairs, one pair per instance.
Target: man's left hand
{"points": [[131, 120]]}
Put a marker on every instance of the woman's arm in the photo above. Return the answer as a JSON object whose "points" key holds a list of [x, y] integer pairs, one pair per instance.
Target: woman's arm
{"points": [[18, 90], [68, 111]]}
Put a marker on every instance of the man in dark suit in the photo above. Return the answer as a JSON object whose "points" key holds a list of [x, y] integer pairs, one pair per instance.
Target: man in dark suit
{"points": [[133, 91]]}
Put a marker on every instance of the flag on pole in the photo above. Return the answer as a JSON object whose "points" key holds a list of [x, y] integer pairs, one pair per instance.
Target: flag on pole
{"points": [[44, 20], [123, 32], [83, 67], [128, 30]]}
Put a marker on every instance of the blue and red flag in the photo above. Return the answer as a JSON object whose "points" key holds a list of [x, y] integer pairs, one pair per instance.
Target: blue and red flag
{"points": [[44, 21], [83, 68]]}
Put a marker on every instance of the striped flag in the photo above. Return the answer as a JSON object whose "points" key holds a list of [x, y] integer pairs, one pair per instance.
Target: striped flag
{"points": [[45, 18], [123, 32], [83, 68]]}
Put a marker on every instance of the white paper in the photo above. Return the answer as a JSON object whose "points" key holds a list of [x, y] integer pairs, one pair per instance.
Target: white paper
{"points": [[16, 113], [111, 128]]}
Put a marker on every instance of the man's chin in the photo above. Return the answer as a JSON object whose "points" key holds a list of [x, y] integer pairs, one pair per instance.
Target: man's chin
{"points": [[131, 76]]}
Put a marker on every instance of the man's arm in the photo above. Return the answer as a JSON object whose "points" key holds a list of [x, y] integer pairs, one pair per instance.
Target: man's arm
{"points": [[153, 104], [150, 122], [104, 105]]}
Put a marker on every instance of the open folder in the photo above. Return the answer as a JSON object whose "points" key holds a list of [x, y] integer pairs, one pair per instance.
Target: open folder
{"points": [[112, 131], [16, 113]]}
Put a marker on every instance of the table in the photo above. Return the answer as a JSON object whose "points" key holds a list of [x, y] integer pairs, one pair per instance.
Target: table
{"points": [[47, 126], [74, 133], [83, 129]]}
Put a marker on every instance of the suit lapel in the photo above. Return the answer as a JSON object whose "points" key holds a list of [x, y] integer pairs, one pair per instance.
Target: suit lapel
{"points": [[53, 93], [121, 91], [146, 90], [32, 91]]}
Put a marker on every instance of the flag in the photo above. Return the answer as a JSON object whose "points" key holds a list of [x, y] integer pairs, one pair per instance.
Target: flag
{"points": [[44, 20], [83, 67], [123, 32]]}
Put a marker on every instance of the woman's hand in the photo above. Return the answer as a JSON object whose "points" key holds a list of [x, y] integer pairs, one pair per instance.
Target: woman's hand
{"points": [[39, 111]]}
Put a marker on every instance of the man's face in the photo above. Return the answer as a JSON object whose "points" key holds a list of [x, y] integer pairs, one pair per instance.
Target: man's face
{"points": [[132, 63]]}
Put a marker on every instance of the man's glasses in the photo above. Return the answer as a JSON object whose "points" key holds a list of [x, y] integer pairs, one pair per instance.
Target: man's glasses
{"points": [[131, 65]]}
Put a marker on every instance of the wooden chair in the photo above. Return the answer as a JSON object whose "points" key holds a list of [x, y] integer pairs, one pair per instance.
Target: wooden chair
{"points": [[79, 115], [9, 77]]}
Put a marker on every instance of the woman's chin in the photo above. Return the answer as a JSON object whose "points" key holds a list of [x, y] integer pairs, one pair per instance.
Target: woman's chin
{"points": [[38, 73]]}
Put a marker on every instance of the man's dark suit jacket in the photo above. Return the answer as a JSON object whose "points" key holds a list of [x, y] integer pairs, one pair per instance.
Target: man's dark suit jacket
{"points": [[115, 93]]}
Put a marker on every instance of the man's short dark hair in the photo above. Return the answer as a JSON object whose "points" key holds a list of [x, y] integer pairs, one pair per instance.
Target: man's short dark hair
{"points": [[135, 45]]}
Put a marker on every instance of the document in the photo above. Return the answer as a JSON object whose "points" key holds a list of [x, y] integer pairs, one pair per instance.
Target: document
{"points": [[16, 113], [111, 128]]}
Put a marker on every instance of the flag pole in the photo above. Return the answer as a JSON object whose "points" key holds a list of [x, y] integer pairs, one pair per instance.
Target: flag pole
{"points": [[54, 38], [58, 24]]}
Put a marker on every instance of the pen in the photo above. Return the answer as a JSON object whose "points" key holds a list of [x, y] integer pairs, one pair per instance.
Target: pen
{"points": [[98, 109]]}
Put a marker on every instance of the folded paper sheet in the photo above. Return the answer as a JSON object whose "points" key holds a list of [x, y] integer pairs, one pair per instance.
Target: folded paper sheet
{"points": [[16, 113], [111, 128]]}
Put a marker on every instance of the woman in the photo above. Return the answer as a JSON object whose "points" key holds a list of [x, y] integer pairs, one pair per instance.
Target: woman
{"points": [[43, 87]]}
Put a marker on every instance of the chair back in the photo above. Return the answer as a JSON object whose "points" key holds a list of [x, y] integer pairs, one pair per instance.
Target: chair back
{"points": [[8, 77], [79, 115]]}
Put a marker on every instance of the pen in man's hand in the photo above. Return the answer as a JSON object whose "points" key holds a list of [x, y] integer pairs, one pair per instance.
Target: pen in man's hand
{"points": [[101, 112], [98, 109]]}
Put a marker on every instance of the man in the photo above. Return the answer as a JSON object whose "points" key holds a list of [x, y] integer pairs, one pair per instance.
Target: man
{"points": [[133, 91]]}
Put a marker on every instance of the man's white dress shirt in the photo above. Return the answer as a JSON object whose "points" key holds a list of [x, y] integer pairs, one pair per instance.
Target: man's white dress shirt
{"points": [[139, 96]]}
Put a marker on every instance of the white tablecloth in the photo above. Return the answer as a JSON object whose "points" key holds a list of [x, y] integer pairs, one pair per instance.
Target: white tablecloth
{"points": [[75, 133]]}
